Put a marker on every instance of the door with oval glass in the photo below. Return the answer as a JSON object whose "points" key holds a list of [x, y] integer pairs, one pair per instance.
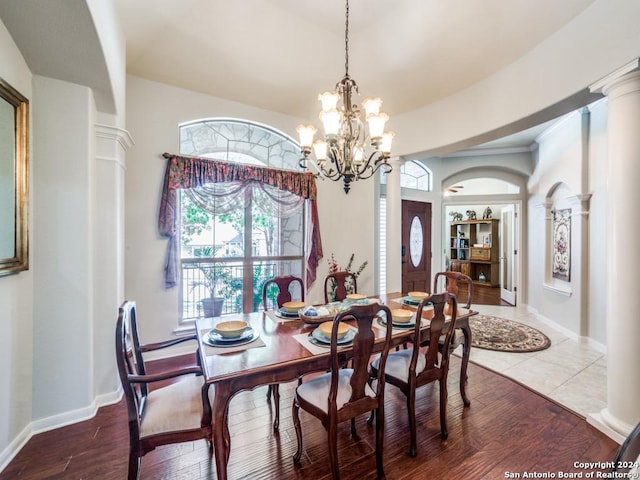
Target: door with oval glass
{"points": [[416, 246]]}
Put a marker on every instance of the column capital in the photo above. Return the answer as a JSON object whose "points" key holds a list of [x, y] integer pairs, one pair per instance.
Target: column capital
{"points": [[583, 200], [605, 84]]}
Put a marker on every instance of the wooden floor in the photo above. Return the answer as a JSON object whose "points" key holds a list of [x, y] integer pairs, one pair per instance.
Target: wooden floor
{"points": [[507, 428]]}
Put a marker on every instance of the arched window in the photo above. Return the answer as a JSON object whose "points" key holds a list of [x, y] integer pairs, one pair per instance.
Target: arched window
{"points": [[232, 239], [414, 175]]}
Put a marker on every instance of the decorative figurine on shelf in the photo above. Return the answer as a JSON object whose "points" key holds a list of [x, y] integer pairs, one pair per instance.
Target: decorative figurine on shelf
{"points": [[482, 277], [455, 216], [471, 214], [487, 213]]}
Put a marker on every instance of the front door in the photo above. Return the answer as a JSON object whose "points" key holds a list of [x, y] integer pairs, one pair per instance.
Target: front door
{"points": [[416, 246]]}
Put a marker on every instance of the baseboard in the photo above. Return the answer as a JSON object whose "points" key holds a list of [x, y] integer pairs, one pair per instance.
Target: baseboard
{"points": [[15, 446], [568, 333], [56, 421]]}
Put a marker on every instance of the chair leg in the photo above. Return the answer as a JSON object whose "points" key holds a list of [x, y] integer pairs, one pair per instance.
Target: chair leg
{"points": [[276, 404], [332, 431], [269, 388], [411, 410], [134, 466], [354, 433], [443, 408], [379, 442], [296, 423]]}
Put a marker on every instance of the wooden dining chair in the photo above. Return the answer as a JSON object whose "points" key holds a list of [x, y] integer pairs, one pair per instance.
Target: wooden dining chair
{"points": [[283, 285], [177, 410], [452, 283], [140, 348], [344, 393], [336, 283], [415, 367]]}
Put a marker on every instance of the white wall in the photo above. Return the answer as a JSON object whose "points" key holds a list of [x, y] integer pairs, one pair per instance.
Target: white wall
{"points": [[558, 179], [154, 112], [63, 116], [56, 348], [16, 298]]}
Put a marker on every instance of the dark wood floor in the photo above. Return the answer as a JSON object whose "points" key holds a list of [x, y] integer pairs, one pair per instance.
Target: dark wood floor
{"points": [[507, 428], [483, 295]]}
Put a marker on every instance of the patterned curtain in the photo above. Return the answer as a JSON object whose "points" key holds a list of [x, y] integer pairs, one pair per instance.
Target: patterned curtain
{"points": [[196, 175]]}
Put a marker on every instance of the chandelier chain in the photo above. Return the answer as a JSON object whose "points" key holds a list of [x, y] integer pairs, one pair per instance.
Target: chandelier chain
{"points": [[346, 40]]}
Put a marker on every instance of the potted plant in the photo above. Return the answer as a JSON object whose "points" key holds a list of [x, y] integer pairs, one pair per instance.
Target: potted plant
{"points": [[212, 279]]}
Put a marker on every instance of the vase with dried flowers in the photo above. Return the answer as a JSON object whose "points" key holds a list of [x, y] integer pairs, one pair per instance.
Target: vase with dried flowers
{"points": [[334, 267]]}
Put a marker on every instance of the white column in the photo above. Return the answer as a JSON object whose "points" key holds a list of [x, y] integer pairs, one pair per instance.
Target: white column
{"points": [[111, 144], [623, 255], [394, 228]]}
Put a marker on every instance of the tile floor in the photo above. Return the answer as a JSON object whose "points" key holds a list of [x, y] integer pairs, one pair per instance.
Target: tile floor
{"points": [[570, 372]]}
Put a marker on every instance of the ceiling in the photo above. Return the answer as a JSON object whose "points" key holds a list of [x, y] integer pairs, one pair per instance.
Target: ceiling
{"points": [[279, 54]]}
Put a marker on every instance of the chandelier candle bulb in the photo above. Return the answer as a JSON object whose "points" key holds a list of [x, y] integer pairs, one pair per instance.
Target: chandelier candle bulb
{"points": [[385, 144], [320, 150], [376, 124], [306, 135], [329, 101], [371, 106]]}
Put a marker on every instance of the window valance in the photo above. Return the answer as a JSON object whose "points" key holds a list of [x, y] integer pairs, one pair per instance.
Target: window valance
{"points": [[184, 172]]}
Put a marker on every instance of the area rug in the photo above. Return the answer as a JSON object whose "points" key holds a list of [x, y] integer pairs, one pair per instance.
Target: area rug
{"points": [[495, 333]]}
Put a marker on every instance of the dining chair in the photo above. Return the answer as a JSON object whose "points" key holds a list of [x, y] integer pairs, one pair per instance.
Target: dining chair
{"points": [[283, 285], [452, 283], [140, 348], [415, 367], [177, 410], [335, 284], [343, 393]]}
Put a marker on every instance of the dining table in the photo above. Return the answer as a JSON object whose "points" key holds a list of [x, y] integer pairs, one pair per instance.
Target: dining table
{"points": [[279, 351]]}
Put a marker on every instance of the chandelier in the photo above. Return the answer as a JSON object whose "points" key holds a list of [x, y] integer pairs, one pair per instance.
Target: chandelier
{"points": [[342, 154]]}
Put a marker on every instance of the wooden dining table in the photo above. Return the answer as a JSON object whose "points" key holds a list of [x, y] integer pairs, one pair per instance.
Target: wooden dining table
{"points": [[278, 357]]}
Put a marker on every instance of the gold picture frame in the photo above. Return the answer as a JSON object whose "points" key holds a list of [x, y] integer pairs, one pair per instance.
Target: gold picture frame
{"points": [[14, 180]]}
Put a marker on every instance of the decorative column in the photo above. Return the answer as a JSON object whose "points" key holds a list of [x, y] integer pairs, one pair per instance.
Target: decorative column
{"points": [[394, 228], [623, 255]]}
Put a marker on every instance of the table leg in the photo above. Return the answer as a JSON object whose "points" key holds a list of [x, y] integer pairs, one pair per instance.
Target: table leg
{"points": [[466, 353], [221, 437]]}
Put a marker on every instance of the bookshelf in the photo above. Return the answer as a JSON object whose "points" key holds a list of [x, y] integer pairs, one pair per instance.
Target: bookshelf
{"points": [[473, 248]]}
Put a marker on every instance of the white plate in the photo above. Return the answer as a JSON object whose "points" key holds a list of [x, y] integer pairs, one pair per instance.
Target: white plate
{"points": [[319, 337], [409, 302], [217, 339], [410, 324], [282, 313]]}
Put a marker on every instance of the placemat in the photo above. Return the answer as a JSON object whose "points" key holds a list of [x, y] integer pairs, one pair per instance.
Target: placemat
{"points": [[394, 330], [272, 315], [303, 339], [209, 350]]}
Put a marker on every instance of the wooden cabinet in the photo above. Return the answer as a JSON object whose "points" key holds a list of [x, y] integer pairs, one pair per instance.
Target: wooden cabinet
{"points": [[473, 248]]}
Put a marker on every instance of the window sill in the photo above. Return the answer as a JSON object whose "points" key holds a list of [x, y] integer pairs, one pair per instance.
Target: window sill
{"points": [[186, 328]]}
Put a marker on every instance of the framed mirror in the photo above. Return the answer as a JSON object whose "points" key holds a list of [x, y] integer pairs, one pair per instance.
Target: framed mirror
{"points": [[14, 178]]}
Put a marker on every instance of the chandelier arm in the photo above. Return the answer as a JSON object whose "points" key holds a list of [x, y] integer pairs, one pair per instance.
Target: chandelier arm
{"points": [[367, 164]]}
